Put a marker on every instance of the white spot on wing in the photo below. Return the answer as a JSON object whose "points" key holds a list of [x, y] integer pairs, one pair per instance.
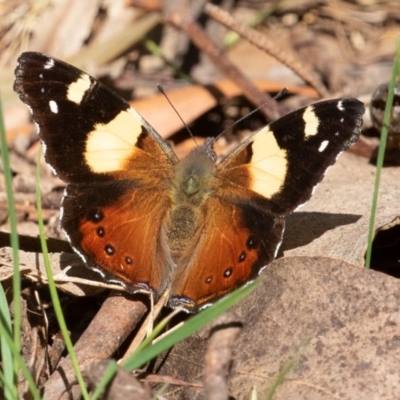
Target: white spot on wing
{"points": [[340, 105], [53, 106], [49, 64], [323, 146], [77, 89], [311, 122]]}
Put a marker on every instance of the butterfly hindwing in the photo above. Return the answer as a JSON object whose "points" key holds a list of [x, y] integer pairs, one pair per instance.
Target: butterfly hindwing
{"points": [[236, 241], [117, 231]]}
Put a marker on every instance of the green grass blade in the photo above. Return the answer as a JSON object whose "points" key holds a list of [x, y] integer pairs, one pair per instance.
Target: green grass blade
{"points": [[7, 337], [107, 377], [187, 329], [154, 49], [14, 241], [280, 378], [6, 353], [381, 152], [53, 290], [8, 389], [156, 331], [231, 38]]}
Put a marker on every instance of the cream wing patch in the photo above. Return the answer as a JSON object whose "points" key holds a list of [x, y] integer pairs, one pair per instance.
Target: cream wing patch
{"points": [[109, 145], [268, 165], [311, 122], [77, 89]]}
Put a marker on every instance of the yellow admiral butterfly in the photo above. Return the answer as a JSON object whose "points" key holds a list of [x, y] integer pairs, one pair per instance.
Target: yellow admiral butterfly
{"points": [[145, 219]]}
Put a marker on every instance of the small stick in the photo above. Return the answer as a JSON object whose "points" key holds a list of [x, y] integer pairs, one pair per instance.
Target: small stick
{"points": [[218, 358]]}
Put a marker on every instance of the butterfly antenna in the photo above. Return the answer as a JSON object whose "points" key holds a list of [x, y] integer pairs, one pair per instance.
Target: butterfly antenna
{"points": [[161, 90], [276, 97]]}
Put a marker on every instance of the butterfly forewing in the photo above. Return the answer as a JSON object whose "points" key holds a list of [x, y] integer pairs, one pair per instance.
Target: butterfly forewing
{"points": [[88, 131], [286, 160]]}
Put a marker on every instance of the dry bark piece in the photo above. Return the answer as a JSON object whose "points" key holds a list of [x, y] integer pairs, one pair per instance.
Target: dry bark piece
{"points": [[71, 20], [341, 321]]}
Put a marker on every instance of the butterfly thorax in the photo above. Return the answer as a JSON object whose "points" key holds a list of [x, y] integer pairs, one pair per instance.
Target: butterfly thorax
{"points": [[192, 184]]}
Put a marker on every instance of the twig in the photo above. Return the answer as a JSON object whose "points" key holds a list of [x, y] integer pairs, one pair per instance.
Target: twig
{"points": [[218, 357]]}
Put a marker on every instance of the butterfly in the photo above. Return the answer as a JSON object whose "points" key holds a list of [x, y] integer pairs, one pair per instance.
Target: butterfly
{"points": [[145, 219]]}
